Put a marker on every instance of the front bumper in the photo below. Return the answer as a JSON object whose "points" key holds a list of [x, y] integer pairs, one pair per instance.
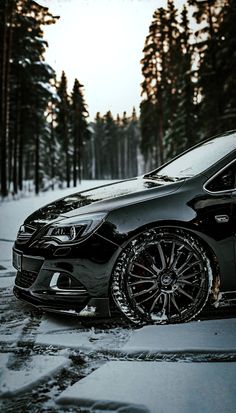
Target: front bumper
{"points": [[69, 285], [93, 307]]}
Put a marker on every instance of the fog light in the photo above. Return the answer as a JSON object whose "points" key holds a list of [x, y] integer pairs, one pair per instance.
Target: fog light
{"points": [[63, 283], [53, 282], [60, 281]]}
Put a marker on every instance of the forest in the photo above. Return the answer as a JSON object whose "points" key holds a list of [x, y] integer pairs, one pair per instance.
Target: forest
{"points": [[188, 65]]}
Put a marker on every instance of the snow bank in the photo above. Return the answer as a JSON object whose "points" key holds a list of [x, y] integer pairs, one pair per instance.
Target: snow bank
{"points": [[68, 333], [5, 281], [156, 387], [11, 332], [209, 335], [37, 369], [6, 254]]}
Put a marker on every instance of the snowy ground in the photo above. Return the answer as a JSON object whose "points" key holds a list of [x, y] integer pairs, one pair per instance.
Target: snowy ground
{"points": [[58, 364]]}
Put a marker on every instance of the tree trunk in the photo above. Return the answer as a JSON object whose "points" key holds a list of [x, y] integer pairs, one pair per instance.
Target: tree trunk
{"points": [[15, 183], [37, 163], [5, 90], [75, 156], [67, 158], [52, 148]]}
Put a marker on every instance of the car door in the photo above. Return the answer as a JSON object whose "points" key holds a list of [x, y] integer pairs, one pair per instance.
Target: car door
{"points": [[222, 188]]}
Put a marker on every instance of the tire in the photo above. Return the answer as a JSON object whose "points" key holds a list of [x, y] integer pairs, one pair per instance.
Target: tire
{"points": [[162, 276]]}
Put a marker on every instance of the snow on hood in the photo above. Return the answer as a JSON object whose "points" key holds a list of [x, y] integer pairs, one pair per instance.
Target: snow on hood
{"points": [[104, 198]]}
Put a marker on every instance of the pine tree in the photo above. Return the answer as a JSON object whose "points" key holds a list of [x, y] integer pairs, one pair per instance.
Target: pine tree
{"points": [[79, 131], [182, 91], [34, 89], [187, 86], [173, 136], [63, 130], [109, 146], [180, 131], [25, 84], [6, 27], [114, 146], [208, 14], [162, 89], [97, 137], [51, 160], [124, 147], [226, 60], [133, 134], [153, 89]]}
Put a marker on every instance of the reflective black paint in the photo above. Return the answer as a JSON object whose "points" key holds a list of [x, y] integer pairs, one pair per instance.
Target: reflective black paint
{"points": [[133, 206]]}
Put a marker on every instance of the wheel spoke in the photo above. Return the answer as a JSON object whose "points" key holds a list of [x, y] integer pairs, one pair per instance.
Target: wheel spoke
{"points": [[155, 301], [189, 257], [141, 282], [148, 298], [180, 282], [142, 277], [186, 267], [153, 265], [172, 255], [186, 277], [143, 267], [164, 302], [168, 304], [162, 256], [174, 302], [185, 293], [178, 255], [145, 291]]}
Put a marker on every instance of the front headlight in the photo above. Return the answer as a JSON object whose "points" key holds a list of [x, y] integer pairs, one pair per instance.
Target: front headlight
{"points": [[72, 229]]}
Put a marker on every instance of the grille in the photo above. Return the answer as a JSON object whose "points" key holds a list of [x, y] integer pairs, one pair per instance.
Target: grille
{"points": [[25, 279]]}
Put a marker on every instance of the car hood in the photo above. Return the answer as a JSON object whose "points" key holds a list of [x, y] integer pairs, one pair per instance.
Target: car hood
{"points": [[103, 198]]}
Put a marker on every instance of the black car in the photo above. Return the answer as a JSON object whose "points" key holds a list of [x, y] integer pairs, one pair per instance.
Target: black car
{"points": [[156, 247]]}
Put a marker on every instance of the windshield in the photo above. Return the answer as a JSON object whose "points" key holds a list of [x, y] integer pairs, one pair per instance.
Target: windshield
{"points": [[198, 159]]}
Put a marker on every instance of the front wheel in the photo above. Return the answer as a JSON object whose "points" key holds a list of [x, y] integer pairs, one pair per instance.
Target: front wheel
{"points": [[162, 276]]}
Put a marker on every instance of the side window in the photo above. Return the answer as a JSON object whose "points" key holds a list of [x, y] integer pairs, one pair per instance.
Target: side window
{"points": [[224, 181]]}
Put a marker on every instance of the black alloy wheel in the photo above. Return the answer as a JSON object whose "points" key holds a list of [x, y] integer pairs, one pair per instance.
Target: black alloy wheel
{"points": [[162, 276]]}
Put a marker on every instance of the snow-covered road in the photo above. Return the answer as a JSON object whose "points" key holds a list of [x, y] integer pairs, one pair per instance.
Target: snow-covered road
{"points": [[60, 364]]}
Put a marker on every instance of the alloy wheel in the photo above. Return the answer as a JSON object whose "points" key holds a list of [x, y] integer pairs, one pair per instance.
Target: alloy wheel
{"points": [[163, 276]]}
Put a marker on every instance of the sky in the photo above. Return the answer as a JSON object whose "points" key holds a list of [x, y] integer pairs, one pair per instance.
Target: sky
{"points": [[100, 43]]}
